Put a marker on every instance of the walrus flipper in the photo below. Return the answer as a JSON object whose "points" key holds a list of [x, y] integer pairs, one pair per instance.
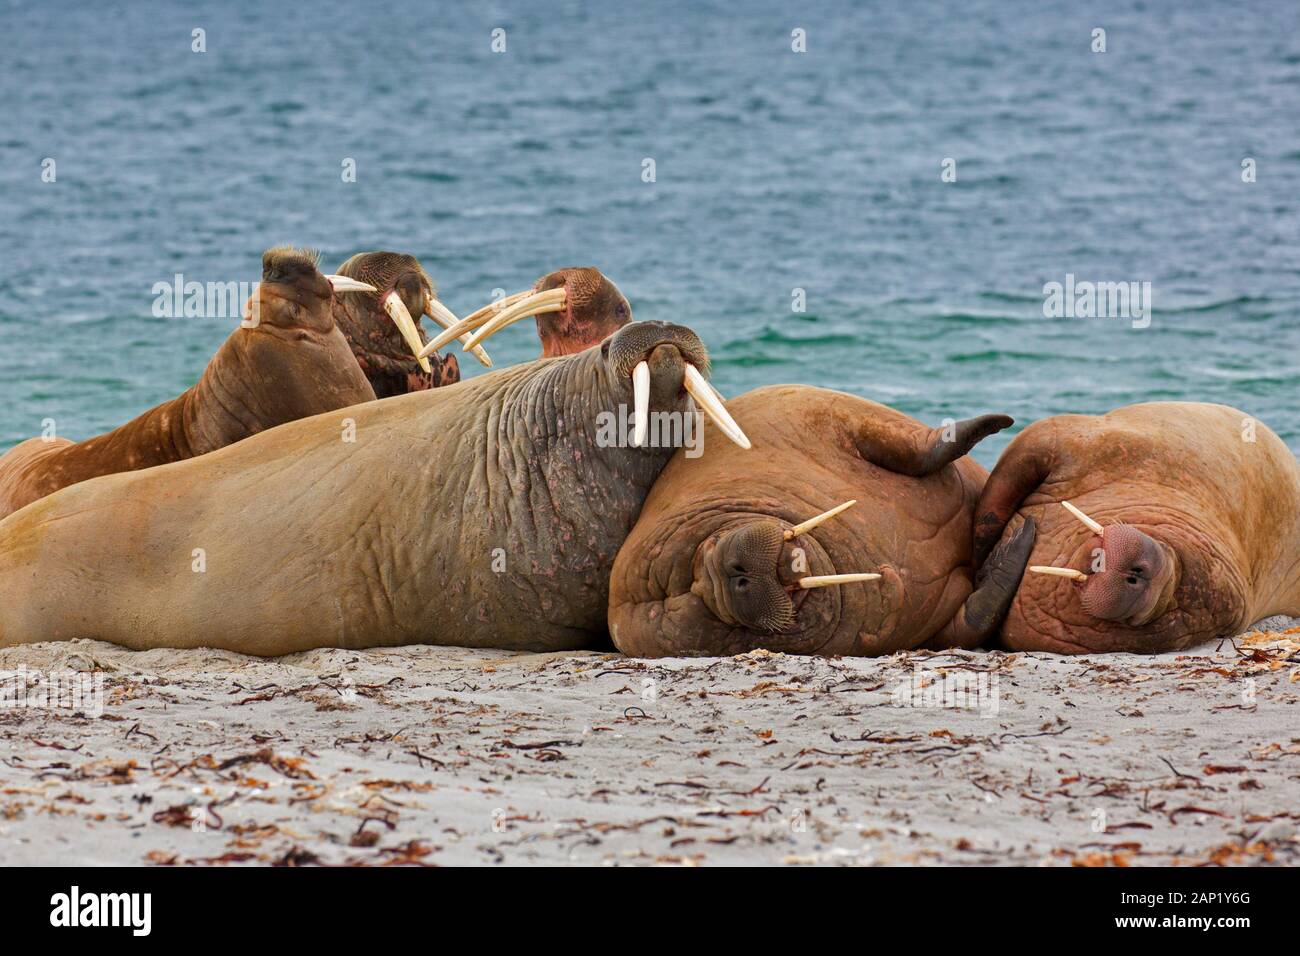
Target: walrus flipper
{"points": [[908, 449], [1026, 464], [980, 616]]}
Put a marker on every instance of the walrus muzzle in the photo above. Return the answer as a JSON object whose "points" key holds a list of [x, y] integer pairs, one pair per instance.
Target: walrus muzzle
{"points": [[738, 576], [1136, 580]]}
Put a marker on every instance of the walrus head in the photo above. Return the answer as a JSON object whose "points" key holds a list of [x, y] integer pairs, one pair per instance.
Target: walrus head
{"points": [[575, 309], [723, 581], [293, 293], [1135, 572], [383, 325], [754, 573]]}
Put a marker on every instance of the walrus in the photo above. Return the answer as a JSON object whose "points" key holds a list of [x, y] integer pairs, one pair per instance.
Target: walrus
{"points": [[575, 309], [497, 530], [1160, 526], [287, 360], [849, 535], [387, 350]]}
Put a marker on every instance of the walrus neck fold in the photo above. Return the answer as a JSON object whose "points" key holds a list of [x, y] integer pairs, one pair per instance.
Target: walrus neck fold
{"points": [[156, 437]]}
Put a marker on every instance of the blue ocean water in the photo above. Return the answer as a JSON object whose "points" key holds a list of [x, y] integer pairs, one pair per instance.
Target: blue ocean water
{"points": [[775, 171]]}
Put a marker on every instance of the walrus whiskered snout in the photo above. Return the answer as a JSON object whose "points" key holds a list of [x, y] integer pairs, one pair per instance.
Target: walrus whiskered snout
{"points": [[738, 578], [1134, 580], [1137, 579], [755, 575]]}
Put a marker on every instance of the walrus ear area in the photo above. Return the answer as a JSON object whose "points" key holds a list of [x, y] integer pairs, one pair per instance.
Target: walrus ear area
{"points": [[903, 447]]}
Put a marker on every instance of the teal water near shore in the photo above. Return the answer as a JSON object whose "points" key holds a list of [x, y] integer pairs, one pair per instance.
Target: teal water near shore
{"points": [[775, 171]]}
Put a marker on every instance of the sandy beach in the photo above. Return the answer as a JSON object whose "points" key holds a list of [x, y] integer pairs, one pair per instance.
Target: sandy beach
{"points": [[427, 755]]}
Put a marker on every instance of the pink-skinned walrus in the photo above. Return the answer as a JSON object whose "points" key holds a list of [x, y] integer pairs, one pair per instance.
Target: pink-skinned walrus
{"points": [[287, 360], [846, 530], [1160, 526]]}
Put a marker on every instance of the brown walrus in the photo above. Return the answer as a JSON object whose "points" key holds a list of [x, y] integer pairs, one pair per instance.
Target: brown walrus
{"points": [[288, 363], [1172, 522], [575, 309], [498, 529], [727, 555], [386, 351]]}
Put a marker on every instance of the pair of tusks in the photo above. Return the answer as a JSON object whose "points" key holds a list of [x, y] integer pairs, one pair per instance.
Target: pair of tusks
{"points": [[1093, 526], [706, 397], [495, 316], [705, 394], [826, 580]]}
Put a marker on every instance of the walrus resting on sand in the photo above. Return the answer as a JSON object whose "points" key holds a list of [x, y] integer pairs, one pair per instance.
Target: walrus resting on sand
{"points": [[732, 554], [498, 529], [289, 362], [386, 351], [575, 309], [1159, 526]]}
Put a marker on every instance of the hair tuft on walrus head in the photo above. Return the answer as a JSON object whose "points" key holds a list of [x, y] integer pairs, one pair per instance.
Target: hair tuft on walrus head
{"points": [[279, 259]]}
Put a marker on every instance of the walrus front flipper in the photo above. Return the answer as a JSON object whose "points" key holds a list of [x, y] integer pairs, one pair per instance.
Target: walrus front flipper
{"points": [[1026, 464], [979, 618], [904, 447]]}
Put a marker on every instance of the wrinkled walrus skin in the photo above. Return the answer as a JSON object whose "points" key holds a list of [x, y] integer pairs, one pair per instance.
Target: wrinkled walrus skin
{"points": [[293, 364], [483, 514], [706, 570], [1201, 527]]}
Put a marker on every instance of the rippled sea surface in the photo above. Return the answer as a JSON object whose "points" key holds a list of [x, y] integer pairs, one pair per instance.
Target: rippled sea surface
{"points": [[775, 171]]}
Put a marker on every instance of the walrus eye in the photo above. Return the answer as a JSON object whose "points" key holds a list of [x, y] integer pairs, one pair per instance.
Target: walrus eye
{"points": [[741, 583]]}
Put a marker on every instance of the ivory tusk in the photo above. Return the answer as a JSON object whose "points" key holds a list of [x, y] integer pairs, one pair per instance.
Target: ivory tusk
{"points": [[349, 284], [1058, 572], [826, 580], [1093, 526], [710, 403], [473, 321], [641, 402], [396, 310], [447, 319], [539, 303], [805, 527]]}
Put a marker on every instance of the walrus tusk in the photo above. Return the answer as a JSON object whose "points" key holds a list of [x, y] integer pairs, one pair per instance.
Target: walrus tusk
{"points": [[710, 403], [396, 310], [446, 318], [472, 321], [641, 402], [1058, 572], [805, 527], [1094, 526], [826, 580], [349, 284], [539, 303]]}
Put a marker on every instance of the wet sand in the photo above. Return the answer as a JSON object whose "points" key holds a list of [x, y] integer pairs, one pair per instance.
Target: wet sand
{"points": [[444, 756]]}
